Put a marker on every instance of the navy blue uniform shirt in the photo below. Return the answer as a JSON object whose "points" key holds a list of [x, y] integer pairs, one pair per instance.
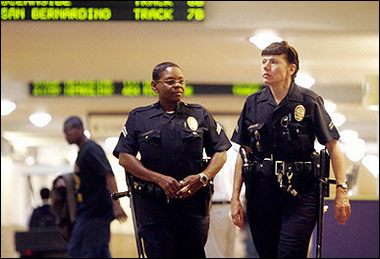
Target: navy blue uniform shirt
{"points": [[172, 144], [287, 130]]}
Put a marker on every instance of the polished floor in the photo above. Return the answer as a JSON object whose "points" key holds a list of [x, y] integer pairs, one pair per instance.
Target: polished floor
{"points": [[121, 245]]}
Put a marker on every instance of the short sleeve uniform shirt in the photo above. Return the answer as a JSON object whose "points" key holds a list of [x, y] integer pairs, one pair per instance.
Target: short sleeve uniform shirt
{"points": [[172, 144], [287, 130]]}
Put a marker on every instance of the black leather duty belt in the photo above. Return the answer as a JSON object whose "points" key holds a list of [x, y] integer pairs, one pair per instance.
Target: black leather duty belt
{"points": [[270, 167]]}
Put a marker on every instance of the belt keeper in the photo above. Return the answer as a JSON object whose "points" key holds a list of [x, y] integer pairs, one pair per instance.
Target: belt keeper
{"points": [[308, 167], [266, 167]]}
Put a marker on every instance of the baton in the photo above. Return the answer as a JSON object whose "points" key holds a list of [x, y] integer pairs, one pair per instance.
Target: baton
{"points": [[117, 195], [324, 189]]}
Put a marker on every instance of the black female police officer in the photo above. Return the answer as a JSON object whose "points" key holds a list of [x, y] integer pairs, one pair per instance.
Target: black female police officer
{"points": [[170, 136], [279, 125]]}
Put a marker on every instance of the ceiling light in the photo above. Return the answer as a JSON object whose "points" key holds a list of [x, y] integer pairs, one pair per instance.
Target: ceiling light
{"points": [[71, 156], [338, 119], [355, 150], [304, 80], [330, 107], [370, 88], [87, 133], [40, 119], [264, 38], [348, 135], [7, 107], [373, 107], [111, 142], [372, 164]]}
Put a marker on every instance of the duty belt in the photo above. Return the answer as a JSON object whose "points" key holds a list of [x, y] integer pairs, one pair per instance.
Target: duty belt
{"points": [[268, 167], [284, 172]]}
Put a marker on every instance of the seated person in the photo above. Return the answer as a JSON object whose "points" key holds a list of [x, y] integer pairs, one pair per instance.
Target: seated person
{"points": [[42, 217]]}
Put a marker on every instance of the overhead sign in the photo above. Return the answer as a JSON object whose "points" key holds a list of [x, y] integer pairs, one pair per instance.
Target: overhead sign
{"points": [[129, 88], [102, 10]]}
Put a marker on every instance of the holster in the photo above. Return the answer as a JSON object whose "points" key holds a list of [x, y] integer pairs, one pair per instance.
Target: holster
{"points": [[204, 196], [145, 188], [247, 168]]}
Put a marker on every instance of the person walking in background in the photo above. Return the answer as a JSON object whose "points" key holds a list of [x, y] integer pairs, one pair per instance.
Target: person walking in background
{"points": [[95, 209], [277, 127], [172, 187], [42, 216]]}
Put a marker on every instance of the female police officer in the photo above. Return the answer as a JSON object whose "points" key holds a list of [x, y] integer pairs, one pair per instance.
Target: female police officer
{"points": [[279, 125], [170, 136]]}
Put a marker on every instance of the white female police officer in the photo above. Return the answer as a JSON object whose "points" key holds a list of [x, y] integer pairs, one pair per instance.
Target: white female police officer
{"points": [[172, 214], [278, 125]]}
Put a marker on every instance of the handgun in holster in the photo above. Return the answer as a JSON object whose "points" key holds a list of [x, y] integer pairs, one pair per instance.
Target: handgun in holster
{"points": [[247, 167], [206, 192]]}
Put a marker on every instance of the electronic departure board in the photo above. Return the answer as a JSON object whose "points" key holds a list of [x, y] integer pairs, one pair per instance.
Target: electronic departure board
{"points": [[102, 10], [129, 88]]}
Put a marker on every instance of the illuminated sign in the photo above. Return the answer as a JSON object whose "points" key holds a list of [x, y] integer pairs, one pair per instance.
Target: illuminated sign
{"points": [[102, 10], [129, 88]]}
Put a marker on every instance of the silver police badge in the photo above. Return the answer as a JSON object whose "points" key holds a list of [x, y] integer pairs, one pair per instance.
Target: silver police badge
{"points": [[192, 123], [299, 112]]}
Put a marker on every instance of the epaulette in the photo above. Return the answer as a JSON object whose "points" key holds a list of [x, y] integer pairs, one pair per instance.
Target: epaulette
{"points": [[143, 108], [309, 93], [193, 105]]}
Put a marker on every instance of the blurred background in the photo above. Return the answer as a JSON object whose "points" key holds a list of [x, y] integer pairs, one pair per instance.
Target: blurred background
{"points": [[52, 69]]}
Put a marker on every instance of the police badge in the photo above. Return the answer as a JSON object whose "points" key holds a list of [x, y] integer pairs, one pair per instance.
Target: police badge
{"points": [[192, 123], [299, 112]]}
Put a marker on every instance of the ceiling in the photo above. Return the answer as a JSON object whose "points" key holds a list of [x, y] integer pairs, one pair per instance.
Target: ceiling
{"points": [[338, 44]]}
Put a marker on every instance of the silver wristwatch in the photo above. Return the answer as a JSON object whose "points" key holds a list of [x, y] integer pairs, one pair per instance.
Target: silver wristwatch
{"points": [[343, 185], [203, 179]]}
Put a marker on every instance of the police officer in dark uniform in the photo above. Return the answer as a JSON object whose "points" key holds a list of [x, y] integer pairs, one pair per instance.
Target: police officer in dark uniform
{"points": [[170, 135], [277, 129]]}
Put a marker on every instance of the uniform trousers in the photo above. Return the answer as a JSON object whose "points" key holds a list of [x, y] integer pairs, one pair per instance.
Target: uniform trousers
{"points": [[175, 229], [281, 224]]}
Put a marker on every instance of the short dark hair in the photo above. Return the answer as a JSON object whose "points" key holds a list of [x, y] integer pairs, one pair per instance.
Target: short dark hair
{"points": [[279, 48], [45, 193], [156, 74], [74, 121]]}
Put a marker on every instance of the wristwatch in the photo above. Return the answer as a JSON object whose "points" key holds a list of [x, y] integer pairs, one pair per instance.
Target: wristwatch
{"points": [[203, 179], [343, 185]]}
